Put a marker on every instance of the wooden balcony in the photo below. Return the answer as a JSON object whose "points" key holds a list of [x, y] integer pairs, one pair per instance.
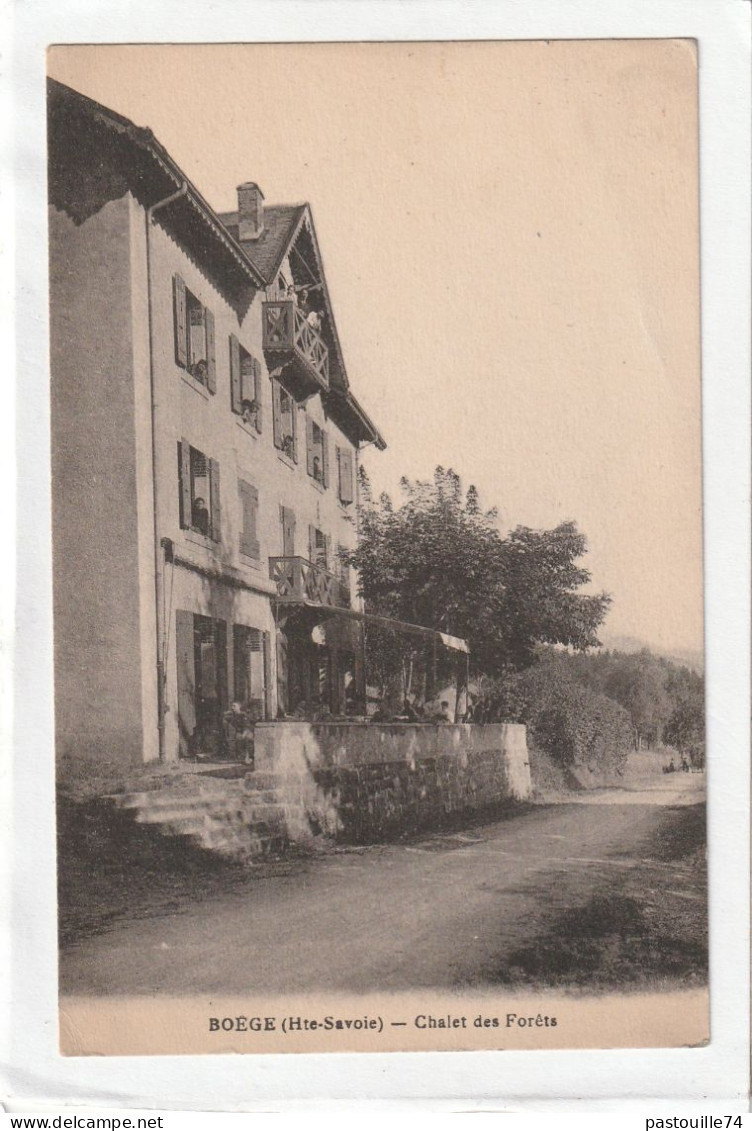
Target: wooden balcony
{"points": [[289, 340], [298, 580]]}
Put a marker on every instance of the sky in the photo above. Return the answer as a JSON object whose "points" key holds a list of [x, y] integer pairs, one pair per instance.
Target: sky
{"points": [[510, 238]]}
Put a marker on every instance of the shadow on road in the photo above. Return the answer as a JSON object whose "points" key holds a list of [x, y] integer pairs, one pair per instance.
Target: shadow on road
{"points": [[643, 924]]}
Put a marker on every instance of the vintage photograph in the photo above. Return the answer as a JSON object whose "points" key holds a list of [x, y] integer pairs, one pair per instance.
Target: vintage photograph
{"points": [[377, 544]]}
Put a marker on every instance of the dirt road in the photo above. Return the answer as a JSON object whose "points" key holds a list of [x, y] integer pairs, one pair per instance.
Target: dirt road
{"points": [[455, 910]]}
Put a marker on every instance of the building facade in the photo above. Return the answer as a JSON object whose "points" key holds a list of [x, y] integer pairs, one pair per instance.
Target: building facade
{"points": [[205, 445]]}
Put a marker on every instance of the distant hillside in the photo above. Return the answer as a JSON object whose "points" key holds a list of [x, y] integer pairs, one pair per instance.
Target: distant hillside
{"points": [[686, 657]]}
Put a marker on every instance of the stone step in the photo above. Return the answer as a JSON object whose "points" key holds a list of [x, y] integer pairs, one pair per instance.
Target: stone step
{"points": [[262, 779], [211, 834], [275, 796], [162, 799], [159, 814], [184, 826], [170, 798], [244, 817], [247, 844], [220, 814]]}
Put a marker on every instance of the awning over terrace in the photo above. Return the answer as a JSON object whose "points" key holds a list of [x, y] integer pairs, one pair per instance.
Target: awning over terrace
{"points": [[453, 643]]}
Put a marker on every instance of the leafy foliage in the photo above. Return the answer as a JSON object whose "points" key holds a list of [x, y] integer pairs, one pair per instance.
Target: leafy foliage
{"points": [[573, 723], [665, 701], [439, 560], [685, 728]]}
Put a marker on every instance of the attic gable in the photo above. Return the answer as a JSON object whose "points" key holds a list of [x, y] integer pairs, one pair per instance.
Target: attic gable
{"points": [[288, 232]]}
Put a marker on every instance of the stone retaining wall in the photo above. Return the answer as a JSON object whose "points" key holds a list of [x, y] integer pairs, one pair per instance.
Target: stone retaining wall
{"points": [[362, 781]]}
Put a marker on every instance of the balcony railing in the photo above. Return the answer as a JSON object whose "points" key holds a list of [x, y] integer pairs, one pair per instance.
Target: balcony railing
{"points": [[289, 340], [299, 580]]}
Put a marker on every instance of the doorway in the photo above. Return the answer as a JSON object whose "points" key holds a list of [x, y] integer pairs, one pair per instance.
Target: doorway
{"points": [[250, 647], [201, 647]]}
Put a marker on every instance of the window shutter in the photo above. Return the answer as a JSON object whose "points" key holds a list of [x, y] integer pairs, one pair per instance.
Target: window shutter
{"points": [[255, 548], [312, 544], [246, 545], [287, 518], [257, 391], [214, 496], [184, 480], [345, 475], [181, 323], [235, 389], [211, 352], [249, 543], [186, 672], [328, 552], [309, 444], [325, 459], [294, 432], [245, 533], [276, 415]]}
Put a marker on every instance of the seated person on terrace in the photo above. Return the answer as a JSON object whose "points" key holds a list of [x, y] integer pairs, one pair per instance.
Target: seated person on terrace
{"points": [[438, 712], [409, 713]]}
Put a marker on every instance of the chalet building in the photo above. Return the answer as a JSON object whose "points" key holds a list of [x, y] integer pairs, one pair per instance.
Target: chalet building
{"points": [[205, 448]]}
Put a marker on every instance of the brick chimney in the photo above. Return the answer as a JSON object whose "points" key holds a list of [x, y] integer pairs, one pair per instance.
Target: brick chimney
{"points": [[250, 211]]}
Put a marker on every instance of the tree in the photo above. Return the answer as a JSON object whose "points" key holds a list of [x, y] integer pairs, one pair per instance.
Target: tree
{"points": [[639, 684], [439, 560], [685, 728], [651, 688], [542, 602]]}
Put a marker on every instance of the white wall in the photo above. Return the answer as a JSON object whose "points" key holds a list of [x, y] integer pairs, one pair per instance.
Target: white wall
{"points": [[187, 410], [100, 623]]}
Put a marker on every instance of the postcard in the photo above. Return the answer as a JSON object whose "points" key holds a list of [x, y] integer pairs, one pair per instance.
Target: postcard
{"points": [[381, 675], [375, 372]]}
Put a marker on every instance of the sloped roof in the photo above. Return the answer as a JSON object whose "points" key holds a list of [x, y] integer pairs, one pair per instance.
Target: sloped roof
{"points": [[282, 223], [72, 115], [153, 172], [267, 252]]}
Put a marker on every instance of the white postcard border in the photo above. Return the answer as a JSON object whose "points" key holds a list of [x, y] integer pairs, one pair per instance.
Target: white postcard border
{"points": [[709, 1077]]}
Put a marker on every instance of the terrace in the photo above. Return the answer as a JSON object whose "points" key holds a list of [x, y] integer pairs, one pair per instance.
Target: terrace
{"points": [[289, 340], [300, 580]]}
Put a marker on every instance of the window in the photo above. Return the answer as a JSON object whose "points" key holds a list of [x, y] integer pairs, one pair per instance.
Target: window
{"points": [[194, 336], [346, 482], [249, 543], [319, 548], [284, 421], [250, 647], [245, 384], [317, 452], [198, 479]]}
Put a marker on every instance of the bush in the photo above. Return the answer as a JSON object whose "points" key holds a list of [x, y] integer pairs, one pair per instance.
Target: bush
{"points": [[575, 725]]}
